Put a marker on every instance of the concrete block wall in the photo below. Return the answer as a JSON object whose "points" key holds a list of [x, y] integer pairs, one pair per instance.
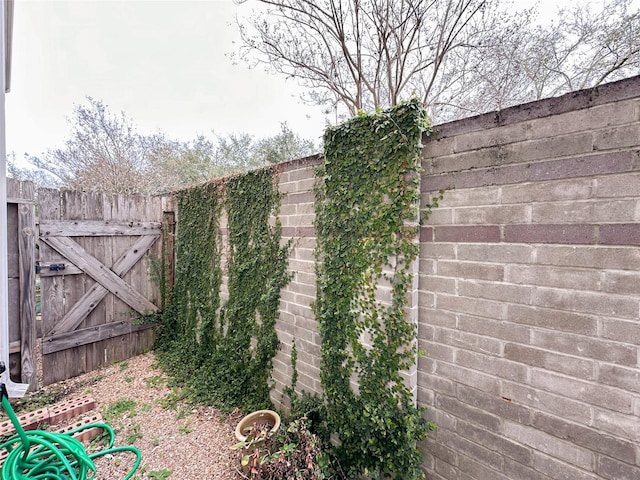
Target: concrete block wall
{"points": [[296, 180], [296, 322], [529, 291]]}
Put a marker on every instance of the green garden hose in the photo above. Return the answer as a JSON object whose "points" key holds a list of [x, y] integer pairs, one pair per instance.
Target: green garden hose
{"points": [[41, 455]]}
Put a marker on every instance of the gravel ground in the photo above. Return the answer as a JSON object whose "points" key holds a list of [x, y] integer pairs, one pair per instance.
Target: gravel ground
{"points": [[178, 441]]}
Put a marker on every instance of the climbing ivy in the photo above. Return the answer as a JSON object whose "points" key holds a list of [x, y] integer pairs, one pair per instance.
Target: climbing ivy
{"points": [[367, 217], [196, 293], [367, 214], [224, 352]]}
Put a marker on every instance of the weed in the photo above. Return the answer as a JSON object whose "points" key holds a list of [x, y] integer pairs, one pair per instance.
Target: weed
{"points": [[155, 381], [37, 400], [183, 412], [119, 409], [99, 441], [134, 435], [184, 429], [171, 400], [128, 379], [160, 474], [123, 366]]}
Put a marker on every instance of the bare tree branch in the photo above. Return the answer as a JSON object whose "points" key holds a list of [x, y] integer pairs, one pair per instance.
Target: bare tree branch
{"points": [[459, 56]]}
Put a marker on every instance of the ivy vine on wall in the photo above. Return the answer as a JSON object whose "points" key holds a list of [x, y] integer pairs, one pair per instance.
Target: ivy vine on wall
{"points": [[367, 222], [224, 351], [367, 213], [196, 292]]}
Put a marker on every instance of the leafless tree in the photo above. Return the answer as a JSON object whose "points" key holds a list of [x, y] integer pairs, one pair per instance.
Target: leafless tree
{"points": [[105, 154], [587, 47], [28, 171], [102, 154], [460, 56], [581, 47], [362, 54]]}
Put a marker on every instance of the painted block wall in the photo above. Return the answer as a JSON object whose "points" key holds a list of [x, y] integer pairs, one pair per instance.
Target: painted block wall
{"points": [[528, 290], [297, 320]]}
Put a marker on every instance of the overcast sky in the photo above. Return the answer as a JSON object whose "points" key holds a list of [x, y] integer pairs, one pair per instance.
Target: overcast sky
{"points": [[163, 62]]}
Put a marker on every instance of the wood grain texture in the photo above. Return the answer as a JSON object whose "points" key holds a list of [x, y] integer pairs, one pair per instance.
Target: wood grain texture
{"points": [[27, 267], [86, 336], [104, 242], [97, 292], [96, 270], [97, 228], [21, 236]]}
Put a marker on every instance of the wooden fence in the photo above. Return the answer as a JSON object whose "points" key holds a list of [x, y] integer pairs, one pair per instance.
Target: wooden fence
{"points": [[95, 255], [21, 246]]}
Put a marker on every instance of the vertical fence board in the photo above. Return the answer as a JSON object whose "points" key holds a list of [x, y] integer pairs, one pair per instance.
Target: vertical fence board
{"points": [[75, 286], [51, 288], [27, 264], [21, 282], [93, 209]]}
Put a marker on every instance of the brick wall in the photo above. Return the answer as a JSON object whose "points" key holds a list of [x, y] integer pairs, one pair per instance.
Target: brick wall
{"points": [[528, 292], [530, 288], [297, 321]]}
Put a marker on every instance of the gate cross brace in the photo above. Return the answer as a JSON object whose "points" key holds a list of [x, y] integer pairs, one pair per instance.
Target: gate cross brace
{"points": [[108, 280]]}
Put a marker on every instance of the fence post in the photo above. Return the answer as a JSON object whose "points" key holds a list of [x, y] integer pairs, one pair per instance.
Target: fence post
{"points": [[27, 266]]}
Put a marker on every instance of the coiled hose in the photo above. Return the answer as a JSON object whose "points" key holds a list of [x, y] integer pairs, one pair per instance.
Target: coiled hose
{"points": [[42, 455]]}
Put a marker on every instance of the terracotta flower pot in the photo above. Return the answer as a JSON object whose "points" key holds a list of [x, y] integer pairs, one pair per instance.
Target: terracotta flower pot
{"points": [[259, 417]]}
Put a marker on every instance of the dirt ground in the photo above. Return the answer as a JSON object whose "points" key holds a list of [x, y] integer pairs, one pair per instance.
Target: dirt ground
{"points": [[178, 441]]}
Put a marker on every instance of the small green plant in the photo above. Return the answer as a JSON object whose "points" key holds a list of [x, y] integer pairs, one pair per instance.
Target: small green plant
{"points": [[160, 474], [172, 400], [155, 381], [128, 379], [39, 399], [119, 409], [98, 442], [123, 366], [292, 453], [134, 434], [183, 429], [256, 446], [155, 441]]}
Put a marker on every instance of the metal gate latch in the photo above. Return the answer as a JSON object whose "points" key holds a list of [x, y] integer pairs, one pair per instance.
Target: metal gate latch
{"points": [[56, 267]]}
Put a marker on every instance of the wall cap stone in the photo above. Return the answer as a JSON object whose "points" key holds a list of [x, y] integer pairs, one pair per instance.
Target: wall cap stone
{"points": [[627, 88]]}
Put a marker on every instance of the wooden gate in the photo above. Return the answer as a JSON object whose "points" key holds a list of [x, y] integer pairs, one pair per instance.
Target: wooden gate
{"points": [[97, 256]]}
